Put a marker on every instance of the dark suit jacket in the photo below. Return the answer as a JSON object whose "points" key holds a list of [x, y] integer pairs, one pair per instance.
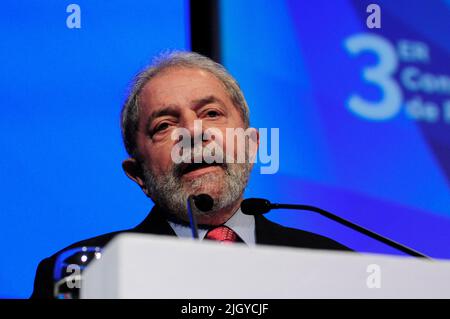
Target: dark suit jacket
{"points": [[267, 233]]}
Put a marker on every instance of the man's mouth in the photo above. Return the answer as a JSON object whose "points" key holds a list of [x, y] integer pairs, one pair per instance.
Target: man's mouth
{"points": [[191, 169]]}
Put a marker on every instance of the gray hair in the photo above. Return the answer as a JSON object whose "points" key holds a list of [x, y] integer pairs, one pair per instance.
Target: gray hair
{"points": [[130, 110]]}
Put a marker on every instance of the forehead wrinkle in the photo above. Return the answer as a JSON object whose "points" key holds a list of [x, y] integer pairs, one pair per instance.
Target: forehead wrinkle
{"points": [[173, 108], [208, 99]]}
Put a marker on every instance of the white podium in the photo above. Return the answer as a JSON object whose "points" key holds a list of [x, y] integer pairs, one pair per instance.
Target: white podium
{"points": [[147, 266]]}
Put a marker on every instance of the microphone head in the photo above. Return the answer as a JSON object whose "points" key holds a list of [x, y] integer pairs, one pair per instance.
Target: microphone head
{"points": [[255, 206], [203, 202]]}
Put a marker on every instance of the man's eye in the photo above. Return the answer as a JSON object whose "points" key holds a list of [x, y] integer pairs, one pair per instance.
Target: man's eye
{"points": [[160, 127], [212, 113]]}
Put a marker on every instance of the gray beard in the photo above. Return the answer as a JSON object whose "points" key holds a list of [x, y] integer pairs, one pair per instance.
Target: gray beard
{"points": [[171, 193]]}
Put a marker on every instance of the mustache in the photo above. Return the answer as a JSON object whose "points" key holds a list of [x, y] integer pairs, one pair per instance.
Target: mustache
{"points": [[195, 158]]}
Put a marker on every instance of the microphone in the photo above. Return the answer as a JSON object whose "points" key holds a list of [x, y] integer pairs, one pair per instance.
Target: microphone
{"points": [[259, 206], [202, 202]]}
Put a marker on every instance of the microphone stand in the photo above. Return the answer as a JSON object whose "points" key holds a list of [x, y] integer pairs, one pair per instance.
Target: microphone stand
{"points": [[192, 220], [353, 226], [255, 206]]}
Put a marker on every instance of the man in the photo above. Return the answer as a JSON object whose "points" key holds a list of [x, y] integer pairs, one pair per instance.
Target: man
{"points": [[176, 92]]}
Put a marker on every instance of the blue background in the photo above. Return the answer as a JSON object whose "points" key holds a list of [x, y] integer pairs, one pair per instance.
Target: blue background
{"points": [[390, 176], [62, 89]]}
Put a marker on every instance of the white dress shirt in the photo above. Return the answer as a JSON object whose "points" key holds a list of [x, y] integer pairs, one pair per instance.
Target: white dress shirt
{"points": [[243, 225]]}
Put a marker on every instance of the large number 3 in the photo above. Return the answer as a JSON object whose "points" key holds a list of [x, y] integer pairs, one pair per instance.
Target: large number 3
{"points": [[379, 74]]}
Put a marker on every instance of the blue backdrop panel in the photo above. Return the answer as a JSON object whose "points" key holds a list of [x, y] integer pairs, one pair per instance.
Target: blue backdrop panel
{"points": [[61, 93], [364, 114]]}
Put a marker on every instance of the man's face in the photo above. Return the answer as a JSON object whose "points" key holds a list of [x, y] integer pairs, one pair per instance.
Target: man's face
{"points": [[174, 99]]}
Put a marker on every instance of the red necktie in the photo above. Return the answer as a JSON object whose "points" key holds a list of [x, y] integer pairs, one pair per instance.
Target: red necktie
{"points": [[223, 234]]}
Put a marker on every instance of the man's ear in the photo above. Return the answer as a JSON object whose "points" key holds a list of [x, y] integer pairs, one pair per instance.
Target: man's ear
{"points": [[134, 171]]}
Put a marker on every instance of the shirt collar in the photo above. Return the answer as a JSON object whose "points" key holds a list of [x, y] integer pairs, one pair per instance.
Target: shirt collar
{"points": [[243, 225]]}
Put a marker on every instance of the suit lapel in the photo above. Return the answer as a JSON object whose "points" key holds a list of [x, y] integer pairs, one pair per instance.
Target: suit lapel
{"points": [[155, 223], [266, 232]]}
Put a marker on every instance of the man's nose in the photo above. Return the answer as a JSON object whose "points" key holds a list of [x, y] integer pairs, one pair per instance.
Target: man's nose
{"points": [[191, 123], [194, 125]]}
